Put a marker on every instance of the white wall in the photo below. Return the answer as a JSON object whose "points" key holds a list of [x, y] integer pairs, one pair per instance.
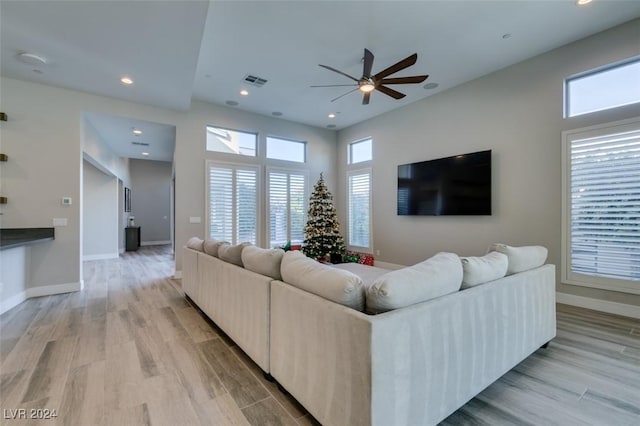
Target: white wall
{"points": [[99, 214], [517, 113], [151, 199]]}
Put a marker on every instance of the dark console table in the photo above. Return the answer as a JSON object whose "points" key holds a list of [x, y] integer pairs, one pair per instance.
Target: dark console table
{"points": [[132, 238]]}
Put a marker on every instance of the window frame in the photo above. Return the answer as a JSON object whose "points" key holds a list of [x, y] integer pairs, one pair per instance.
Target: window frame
{"points": [[257, 143], [350, 150], [349, 174], [267, 198], [234, 166], [266, 149], [567, 276]]}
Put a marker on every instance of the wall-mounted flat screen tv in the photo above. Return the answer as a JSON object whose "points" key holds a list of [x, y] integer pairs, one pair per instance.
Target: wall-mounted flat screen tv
{"points": [[458, 185]]}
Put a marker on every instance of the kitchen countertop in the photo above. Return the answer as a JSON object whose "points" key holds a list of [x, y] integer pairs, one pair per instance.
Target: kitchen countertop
{"points": [[16, 237]]}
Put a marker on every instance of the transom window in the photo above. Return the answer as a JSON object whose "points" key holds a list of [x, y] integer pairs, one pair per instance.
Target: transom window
{"points": [[360, 151], [231, 141], [602, 89], [286, 149]]}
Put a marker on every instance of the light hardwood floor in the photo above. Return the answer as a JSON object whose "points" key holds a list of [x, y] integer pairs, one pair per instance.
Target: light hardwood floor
{"points": [[130, 350]]}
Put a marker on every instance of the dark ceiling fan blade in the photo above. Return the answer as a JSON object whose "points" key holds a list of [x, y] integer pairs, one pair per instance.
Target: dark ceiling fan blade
{"points": [[334, 85], [405, 80], [391, 92], [339, 72], [345, 94], [365, 98], [368, 63], [406, 62]]}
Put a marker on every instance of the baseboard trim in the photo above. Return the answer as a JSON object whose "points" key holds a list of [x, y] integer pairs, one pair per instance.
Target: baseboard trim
{"points": [[100, 256], [616, 308], [154, 243], [387, 265], [177, 275], [45, 290]]}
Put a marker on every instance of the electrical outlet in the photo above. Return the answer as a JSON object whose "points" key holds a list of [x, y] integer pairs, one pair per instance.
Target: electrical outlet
{"points": [[377, 252]]}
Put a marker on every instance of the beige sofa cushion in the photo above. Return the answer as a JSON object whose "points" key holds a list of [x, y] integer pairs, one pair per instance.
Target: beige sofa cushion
{"points": [[521, 258], [232, 254], [263, 261], [211, 246], [434, 277], [333, 284], [196, 243], [479, 270]]}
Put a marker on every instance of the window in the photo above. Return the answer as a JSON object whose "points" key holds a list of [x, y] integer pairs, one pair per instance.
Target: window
{"points": [[287, 206], [284, 149], [601, 201], [359, 205], [232, 202], [603, 89], [231, 141], [360, 151]]}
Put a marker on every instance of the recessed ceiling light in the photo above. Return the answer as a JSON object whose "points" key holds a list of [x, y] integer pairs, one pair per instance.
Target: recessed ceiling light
{"points": [[231, 103], [145, 153], [332, 115], [137, 132], [583, 2], [276, 114], [430, 86], [244, 92], [32, 58], [126, 80]]}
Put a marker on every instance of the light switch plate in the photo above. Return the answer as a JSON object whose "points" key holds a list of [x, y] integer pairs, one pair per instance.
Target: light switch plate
{"points": [[59, 221], [194, 219]]}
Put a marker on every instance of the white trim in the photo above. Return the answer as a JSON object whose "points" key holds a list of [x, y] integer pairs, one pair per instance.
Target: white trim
{"points": [[12, 302], [100, 256], [616, 308], [177, 275], [45, 290], [387, 265], [154, 243]]}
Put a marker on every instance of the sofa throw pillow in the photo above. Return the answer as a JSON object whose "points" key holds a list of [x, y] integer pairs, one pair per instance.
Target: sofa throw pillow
{"points": [[195, 243], [232, 254], [434, 277], [211, 246], [479, 270], [325, 281], [521, 258], [263, 261]]}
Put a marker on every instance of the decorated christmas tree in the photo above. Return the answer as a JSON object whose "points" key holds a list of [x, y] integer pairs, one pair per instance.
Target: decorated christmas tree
{"points": [[322, 232]]}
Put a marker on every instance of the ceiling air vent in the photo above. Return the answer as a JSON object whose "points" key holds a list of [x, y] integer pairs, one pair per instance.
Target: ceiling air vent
{"points": [[140, 143], [254, 81]]}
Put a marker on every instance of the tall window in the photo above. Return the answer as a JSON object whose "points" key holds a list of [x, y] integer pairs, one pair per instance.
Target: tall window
{"points": [[286, 149], [359, 205], [231, 141], [287, 206], [233, 202], [602, 89], [360, 151], [602, 204]]}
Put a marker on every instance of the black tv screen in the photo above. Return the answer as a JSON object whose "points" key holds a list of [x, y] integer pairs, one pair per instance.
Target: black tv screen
{"points": [[458, 185]]}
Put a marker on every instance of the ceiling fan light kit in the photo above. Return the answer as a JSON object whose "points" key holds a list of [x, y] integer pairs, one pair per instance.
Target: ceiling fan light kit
{"points": [[368, 83]]}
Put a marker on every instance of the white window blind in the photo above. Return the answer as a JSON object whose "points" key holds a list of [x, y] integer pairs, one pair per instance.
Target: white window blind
{"points": [[359, 204], [287, 210], [604, 206], [233, 202]]}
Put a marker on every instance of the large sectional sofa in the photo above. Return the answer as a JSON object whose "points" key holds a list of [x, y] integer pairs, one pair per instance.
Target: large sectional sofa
{"points": [[362, 345]]}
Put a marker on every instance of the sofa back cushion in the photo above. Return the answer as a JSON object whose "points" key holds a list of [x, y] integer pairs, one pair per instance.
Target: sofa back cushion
{"points": [[325, 281], [434, 277], [521, 258], [232, 254], [479, 270], [196, 243], [263, 261], [211, 246]]}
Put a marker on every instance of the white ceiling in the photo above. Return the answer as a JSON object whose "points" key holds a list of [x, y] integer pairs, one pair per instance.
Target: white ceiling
{"points": [[181, 50]]}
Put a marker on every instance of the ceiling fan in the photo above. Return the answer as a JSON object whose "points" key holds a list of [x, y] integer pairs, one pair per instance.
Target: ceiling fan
{"points": [[368, 83]]}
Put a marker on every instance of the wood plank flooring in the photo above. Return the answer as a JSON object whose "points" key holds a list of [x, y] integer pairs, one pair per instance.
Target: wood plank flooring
{"points": [[130, 350]]}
